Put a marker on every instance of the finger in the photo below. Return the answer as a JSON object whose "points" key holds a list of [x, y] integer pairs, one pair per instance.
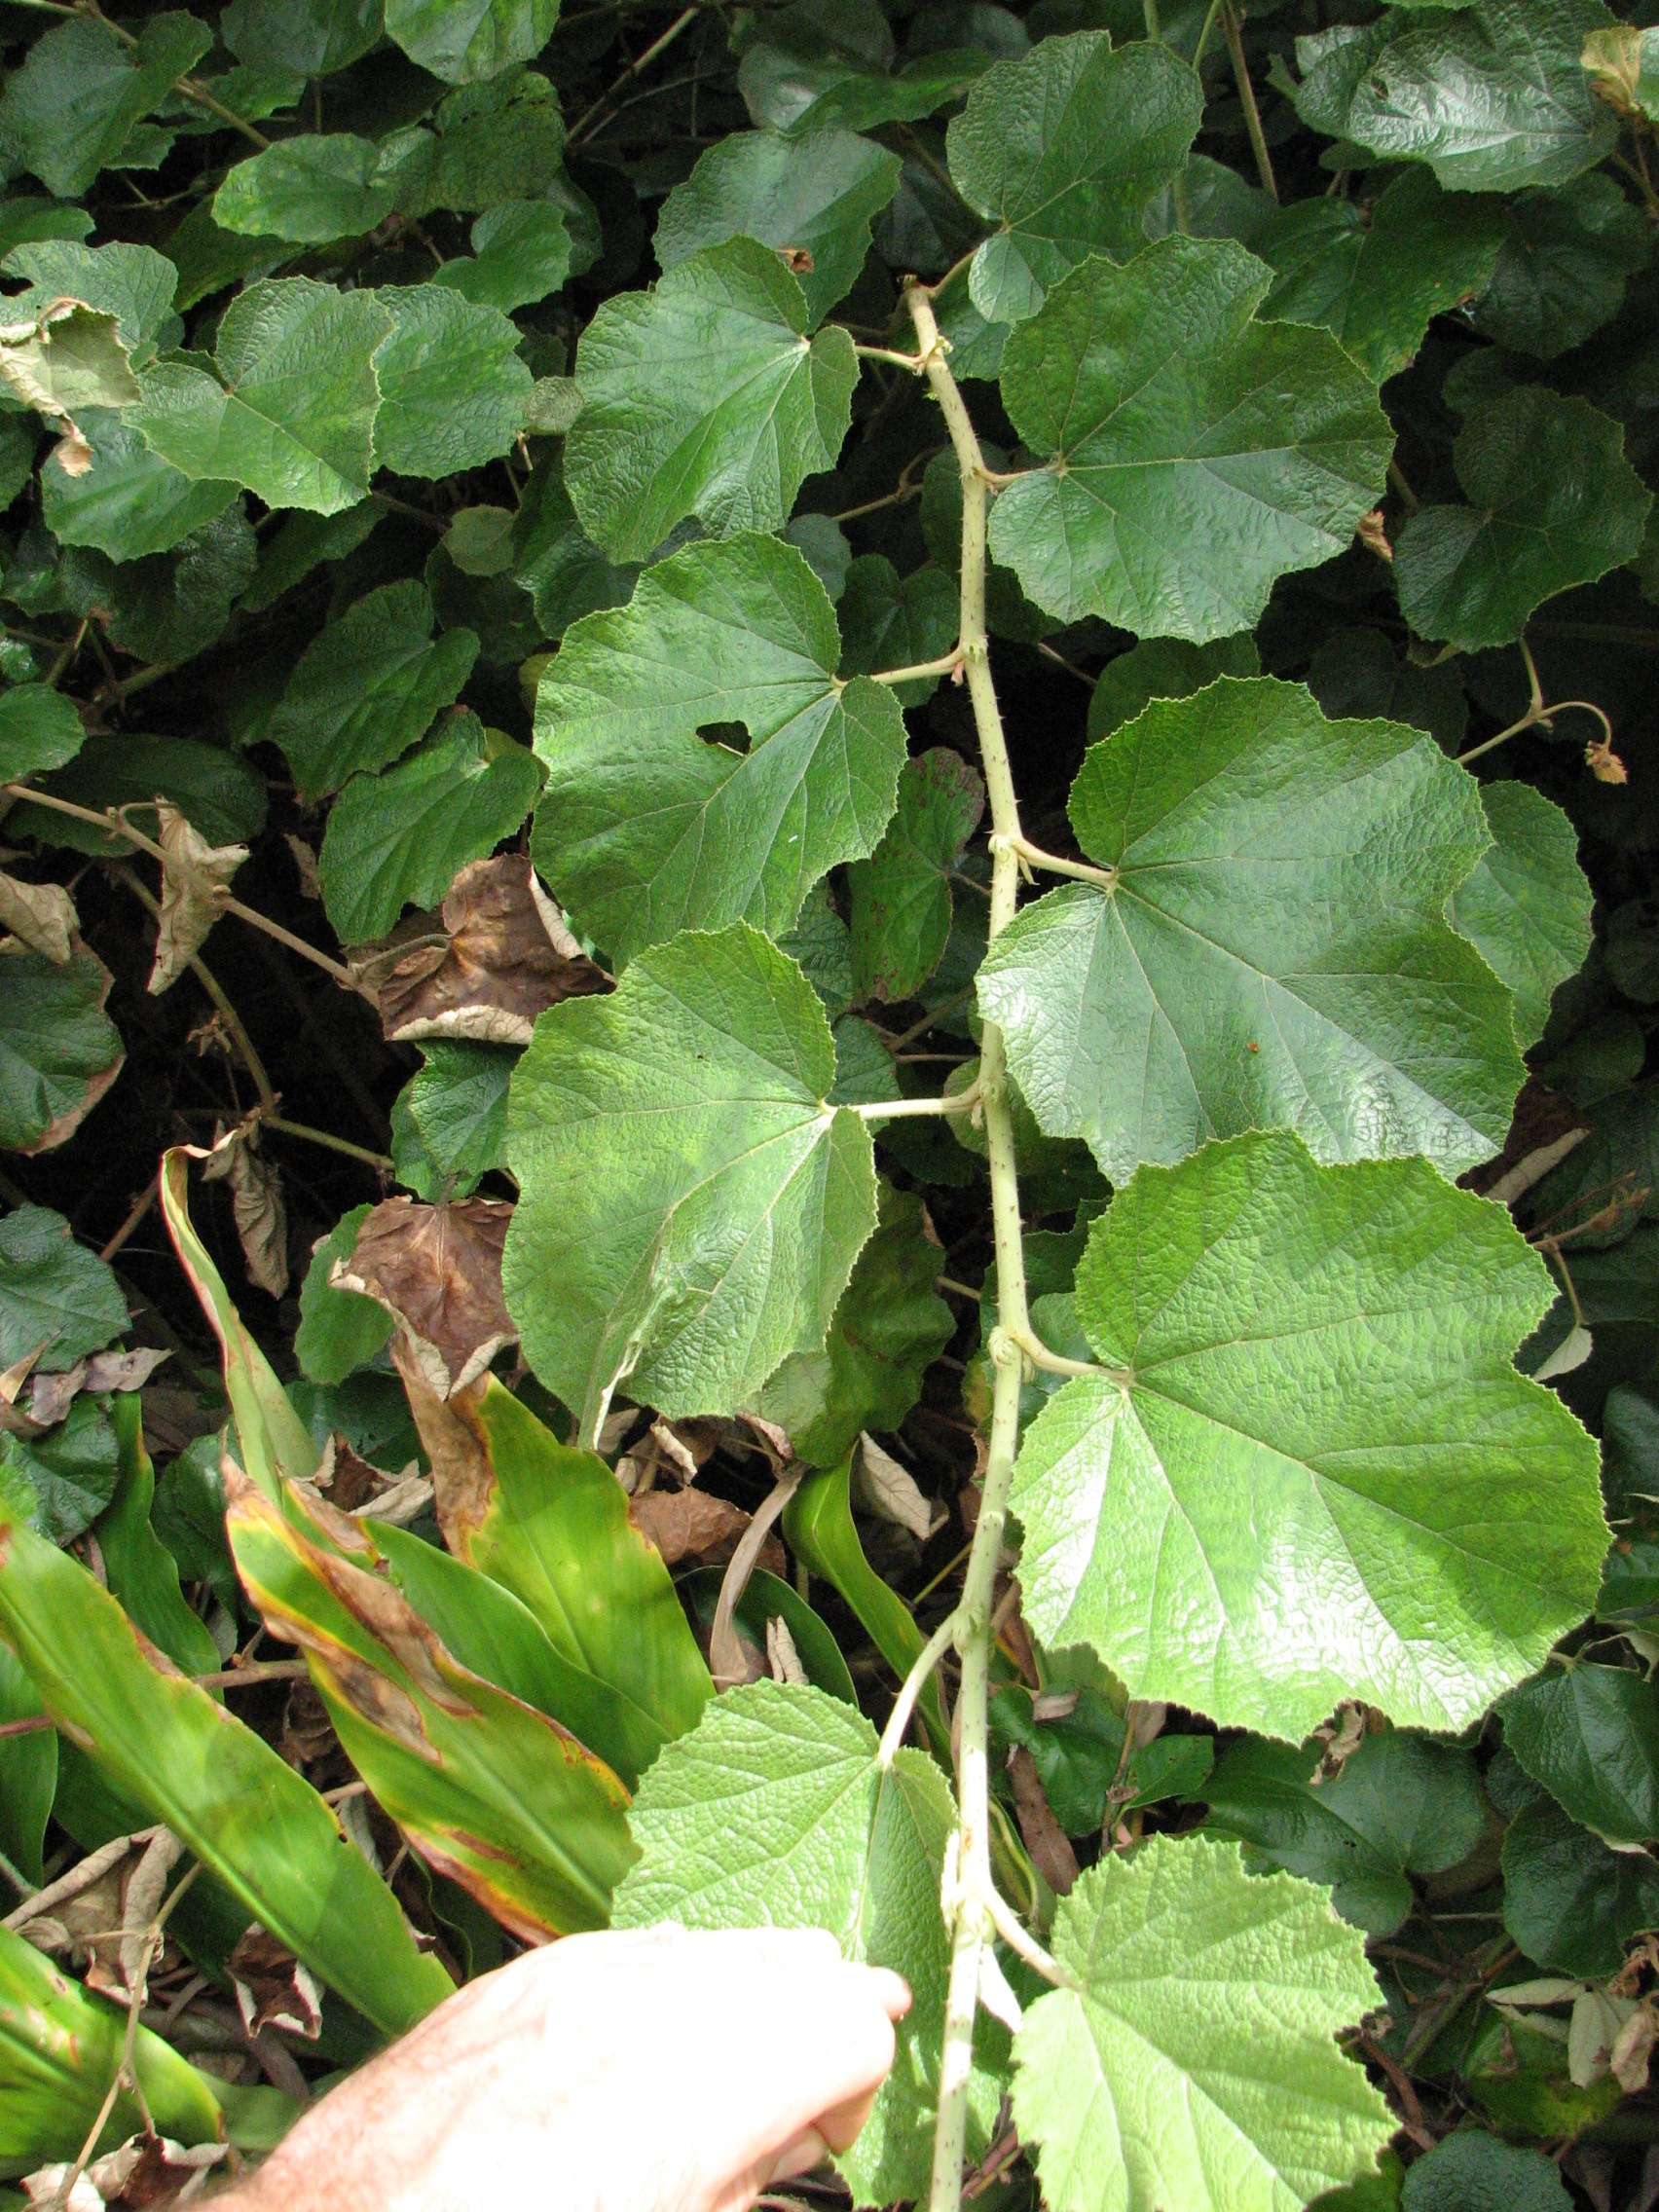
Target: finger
{"points": [[840, 2127], [808, 2149]]}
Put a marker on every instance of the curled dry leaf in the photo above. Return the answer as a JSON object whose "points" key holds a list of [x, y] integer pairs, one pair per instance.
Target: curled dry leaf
{"points": [[48, 2186], [889, 1491], [256, 1206], [67, 357], [196, 882], [51, 1395], [40, 915], [507, 957], [1050, 1851], [438, 1270], [272, 1989], [782, 1657], [1633, 2049], [152, 2170], [692, 1529], [1341, 1736]]}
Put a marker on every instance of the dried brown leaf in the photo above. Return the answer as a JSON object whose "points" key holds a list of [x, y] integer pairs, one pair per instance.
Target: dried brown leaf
{"points": [[438, 1270], [196, 882], [40, 915], [509, 957], [692, 1529], [51, 1395], [782, 1657], [256, 1206], [272, 1989], [889, 1491], [1050, 1851]]}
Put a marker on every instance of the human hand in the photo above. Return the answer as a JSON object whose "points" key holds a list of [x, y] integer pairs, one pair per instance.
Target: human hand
{"points": [[657, 2072]]}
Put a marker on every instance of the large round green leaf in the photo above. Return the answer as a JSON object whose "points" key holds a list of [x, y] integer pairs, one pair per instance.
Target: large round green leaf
{"points": [[1189, 2064], [691, 1208], [59, 1052], [704, 396], [1311, 1472], [1277, 879], [1194, 454]]}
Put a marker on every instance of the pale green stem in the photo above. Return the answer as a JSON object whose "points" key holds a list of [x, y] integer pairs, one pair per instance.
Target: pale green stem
{"points": [[946, 665], [968, 1883], [898, 1719], [889, 1109]]}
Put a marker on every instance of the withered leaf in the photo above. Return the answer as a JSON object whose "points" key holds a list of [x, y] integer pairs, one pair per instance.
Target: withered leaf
{"points": [[691, 1528], [196, 882], [507, 958], [1047, 1841], [256, 1206], [438, 1270], [889, 1491], [272, 1989], [42, 915], [51, 1395]]}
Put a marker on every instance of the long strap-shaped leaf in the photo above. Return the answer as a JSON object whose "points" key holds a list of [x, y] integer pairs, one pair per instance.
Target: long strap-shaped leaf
{"points": [[59, 2048], [276, 1444], [818, 1522], [489, 1789], [224, 1792]]}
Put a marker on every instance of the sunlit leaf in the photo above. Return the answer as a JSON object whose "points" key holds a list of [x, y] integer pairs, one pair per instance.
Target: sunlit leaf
{"points": [[454, 392], [691, 1208], [1190, 2066], [1244, 968], [1310, 1429]]}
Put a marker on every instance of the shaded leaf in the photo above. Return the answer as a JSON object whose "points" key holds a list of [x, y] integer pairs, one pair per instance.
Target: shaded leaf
{"points": [[1376, 285], [1157, 392], [126, 501], [1401, 1805], [1244, 968], [1192, 2064], [1590, 1735], [292, 409], [1568, 1902], [795, 92], [309, 191], [301, 38], [59, 1482], [521, 252], [454, 391], [889, 1325], [39, 729], [401, 837], [679, 1169], [1062, 152], [1163, 668], [1471, 2171], [645, 827], [457, 1107], [479, 38], [68, 111], [368, 684], [1526, 906], [901, 895], [811, 197], [1561, 272], [55, 1296], [889, 622], [1552, 503], [704, 396], [340, 1330], [1423, 1522], [141, 1571], [59, 1052]]}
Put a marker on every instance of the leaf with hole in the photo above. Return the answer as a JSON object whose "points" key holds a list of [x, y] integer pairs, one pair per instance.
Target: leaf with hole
{"points": [[644, 826]]}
